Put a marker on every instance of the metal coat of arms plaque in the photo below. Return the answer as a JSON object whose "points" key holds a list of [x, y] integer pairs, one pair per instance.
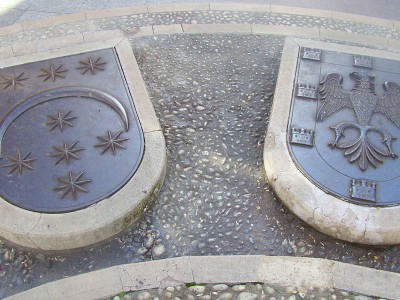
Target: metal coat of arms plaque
{"points": [[69, 132], [344, 125]]}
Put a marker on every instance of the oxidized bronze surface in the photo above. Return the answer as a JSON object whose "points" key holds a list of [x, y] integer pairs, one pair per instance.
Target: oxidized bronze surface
{"points": [[69, 133], [344, 125]]}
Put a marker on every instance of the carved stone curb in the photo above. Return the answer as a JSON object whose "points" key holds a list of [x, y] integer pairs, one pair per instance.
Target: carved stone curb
{"points": [[299, 272], [326, 213], [110, 216]]}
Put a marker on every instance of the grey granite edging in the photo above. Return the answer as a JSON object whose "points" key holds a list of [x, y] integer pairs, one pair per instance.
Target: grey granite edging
{"points": [[300, 272]]}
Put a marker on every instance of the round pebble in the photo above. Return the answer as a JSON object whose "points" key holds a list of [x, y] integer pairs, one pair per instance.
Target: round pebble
{"points": [[219, 287], [247, 296], [225, 296], [197, 289], [158, 250], [144, 296], [238, 288]]}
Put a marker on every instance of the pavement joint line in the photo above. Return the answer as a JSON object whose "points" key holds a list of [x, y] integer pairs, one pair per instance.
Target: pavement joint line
{"points": [[301, 272]]}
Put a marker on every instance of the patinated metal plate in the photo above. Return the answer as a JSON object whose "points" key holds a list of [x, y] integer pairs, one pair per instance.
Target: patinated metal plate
{"points": [[343, 130], [69, 132]]}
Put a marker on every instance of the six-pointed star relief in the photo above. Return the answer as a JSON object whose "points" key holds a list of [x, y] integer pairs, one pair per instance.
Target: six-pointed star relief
{"points": [[66, 152], [72, 184], [91, 65], [53, 73], [13, 81], [60, 120], [19, 163], [111, 142]]}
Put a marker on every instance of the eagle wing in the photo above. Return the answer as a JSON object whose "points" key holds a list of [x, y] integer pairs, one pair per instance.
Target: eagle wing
{"points": [[333, 96], [389, 103]]}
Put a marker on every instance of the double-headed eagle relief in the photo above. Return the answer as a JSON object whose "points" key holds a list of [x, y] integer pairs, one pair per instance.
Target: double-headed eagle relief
{"points": [[344, 125], [364, 101]]}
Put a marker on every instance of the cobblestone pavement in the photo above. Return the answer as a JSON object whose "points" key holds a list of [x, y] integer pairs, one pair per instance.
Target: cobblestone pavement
{"points": [[239, 292], [212, 94]]}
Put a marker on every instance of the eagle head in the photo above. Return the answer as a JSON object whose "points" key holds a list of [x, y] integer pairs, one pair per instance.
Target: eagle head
{"points": [[364, 81], [391, 87], [358, 76]]}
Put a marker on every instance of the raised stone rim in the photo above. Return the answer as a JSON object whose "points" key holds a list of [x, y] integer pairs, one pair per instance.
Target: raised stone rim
{"points": [[106, 218], [324, 212], [299, 272]]}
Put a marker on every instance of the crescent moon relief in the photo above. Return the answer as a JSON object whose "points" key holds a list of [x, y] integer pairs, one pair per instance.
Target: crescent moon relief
{"points": [[80, 92]]}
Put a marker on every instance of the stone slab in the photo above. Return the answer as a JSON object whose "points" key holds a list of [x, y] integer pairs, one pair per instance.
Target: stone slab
{"points": [[22, 48], [291, 271], [326, 213], [216, 28], [366, 281], [162, 273], [47, 22], [86, 287], [144, 107], [167, 29], [6, 51], [301, 11], [116, 12], [93, 36], [285, 30], [354, 38], [240, 7], [227, 269], [11, 29], [178, 7], [362, 19], [8, 61]]}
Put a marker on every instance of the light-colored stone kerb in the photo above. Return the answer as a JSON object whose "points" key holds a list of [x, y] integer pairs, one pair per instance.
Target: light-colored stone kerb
{"points": [[285, 30], [354, 38], [110, 216], [178, 7], [116, 12], [52, 21], [301, 11], [167, 29], [336, 15], [250, 7], [300, 272], [216, 28], [326, 213]]}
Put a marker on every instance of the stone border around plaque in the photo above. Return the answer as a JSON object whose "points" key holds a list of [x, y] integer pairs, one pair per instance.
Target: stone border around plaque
{"points": [[102, 220], [357, 210]]}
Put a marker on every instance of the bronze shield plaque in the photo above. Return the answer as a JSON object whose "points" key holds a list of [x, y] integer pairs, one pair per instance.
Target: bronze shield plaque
{"points": [[69, 132], [343, 129]]}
